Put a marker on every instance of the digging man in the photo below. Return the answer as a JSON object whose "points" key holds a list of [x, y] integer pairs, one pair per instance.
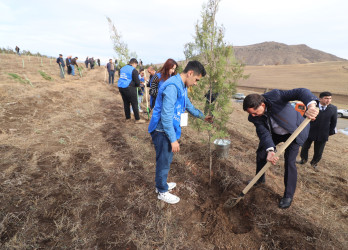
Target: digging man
{"points": [[275, 120]]}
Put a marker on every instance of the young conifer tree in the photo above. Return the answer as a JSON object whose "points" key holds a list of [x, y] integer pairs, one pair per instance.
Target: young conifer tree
{"points": [[214, 93], [120, 47]]}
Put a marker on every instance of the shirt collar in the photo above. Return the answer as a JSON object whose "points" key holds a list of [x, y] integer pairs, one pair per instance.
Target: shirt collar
{"points": [[322, 106]]}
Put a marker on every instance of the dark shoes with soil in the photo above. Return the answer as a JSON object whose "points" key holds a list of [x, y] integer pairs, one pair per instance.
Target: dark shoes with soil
{"points": [[285, 203], [302, 161], [315, 167]]}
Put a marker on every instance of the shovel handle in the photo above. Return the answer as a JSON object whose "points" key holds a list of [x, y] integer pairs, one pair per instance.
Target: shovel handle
{"points": [[277, 154]]}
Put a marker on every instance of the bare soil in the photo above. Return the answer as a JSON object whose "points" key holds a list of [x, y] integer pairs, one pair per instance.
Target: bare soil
{"points": [[73, 174]]}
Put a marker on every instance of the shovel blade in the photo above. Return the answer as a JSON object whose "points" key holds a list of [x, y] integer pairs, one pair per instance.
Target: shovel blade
{"points": [[232, 202]]}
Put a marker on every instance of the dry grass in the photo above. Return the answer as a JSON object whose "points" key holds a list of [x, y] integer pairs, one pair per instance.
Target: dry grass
{"points": [[74, 175], [318, 77]]}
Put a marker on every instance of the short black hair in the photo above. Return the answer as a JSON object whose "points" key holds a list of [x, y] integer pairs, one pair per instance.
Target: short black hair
{"points": [[133, 60], [253, 101], [197, 68], [326, 93]]}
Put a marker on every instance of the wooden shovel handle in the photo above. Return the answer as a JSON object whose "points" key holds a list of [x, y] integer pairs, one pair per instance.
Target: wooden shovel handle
{"points": [[279, 152]]}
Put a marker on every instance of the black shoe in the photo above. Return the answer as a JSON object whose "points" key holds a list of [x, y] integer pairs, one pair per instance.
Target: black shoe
{"points": [[315, 166], [302, 161], [285, 203]]}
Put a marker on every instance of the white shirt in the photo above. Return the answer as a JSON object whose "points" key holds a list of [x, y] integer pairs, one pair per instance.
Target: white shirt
{"points": [[281, 131]]}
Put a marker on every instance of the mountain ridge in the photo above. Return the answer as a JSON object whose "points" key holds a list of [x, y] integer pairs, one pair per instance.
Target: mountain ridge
{"points": [[274, 53]]}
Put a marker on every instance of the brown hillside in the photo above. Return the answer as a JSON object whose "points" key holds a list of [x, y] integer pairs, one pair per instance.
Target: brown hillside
{"points": [[74, 175], [273, 53]]}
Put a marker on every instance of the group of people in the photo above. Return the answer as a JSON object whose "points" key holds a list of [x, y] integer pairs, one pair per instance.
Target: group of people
{"points": [[70, 64], [271, 113], [91, 62]]}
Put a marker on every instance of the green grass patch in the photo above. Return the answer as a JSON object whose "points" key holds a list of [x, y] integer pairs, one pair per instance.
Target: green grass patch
{"points": [[17, 78], [45, 76]]}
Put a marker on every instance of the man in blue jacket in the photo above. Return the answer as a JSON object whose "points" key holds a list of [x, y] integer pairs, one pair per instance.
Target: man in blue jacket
{"points": [[275, 120], [127, 85], [167, 119]]}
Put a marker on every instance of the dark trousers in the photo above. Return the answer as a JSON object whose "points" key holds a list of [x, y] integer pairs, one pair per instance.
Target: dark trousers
{"points": [[111, 76], [318, 150], [129, 97], [290, 170]]}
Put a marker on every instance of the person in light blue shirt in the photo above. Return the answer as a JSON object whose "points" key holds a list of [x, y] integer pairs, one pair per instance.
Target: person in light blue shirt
{"points": [[167, 119]]}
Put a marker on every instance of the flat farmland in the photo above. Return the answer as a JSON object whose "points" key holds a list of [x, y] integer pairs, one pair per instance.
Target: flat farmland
{"points": [[318, 77]]}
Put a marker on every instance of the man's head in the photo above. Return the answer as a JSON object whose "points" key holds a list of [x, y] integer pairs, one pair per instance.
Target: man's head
{"points": [[193, 72], [133, 62], [142, 72], [254, 104], [151, 70], [60, 55], [110, 60], [325, 98]]}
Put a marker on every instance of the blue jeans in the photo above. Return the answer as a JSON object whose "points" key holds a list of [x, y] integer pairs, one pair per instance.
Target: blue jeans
{"points": [[72, 70], [164, 157], [111, 76]]}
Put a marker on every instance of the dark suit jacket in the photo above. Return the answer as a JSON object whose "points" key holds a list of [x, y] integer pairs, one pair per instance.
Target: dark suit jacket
{"points": [[279, 108], [324, 125]]}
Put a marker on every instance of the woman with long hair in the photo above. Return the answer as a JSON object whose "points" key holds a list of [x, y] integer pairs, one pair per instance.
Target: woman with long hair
{"points": [[168, 69]]}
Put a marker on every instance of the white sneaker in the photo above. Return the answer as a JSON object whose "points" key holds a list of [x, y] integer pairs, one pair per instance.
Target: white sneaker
{"points": [[141, 111], [171, 185], [168, 197]]}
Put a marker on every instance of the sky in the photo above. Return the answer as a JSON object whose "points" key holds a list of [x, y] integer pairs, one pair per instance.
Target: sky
{"points": [[158, 29]]}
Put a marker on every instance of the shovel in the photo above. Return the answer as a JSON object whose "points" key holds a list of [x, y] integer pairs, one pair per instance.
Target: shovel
{"points": [[146, 97], [230, 203]]}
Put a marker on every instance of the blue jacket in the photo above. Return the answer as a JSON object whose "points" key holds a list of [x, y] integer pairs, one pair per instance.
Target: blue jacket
{"points": [[61, 60], [278, 107], [171, 102], [125, 76]]}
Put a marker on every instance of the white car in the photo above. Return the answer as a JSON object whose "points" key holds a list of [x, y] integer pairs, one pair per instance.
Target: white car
{"points": [[343, 131], [239, 96], [342, 113]]}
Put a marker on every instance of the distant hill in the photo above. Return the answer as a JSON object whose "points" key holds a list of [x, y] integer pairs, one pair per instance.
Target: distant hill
{"points": [[273, 53]]}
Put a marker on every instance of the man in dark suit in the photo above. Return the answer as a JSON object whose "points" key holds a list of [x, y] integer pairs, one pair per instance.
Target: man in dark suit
{"points": [[275, 120], [320, 130]]}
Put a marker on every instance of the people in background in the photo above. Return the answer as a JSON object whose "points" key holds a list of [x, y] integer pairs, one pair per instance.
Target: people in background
{"points": [[68, 64], [320, 130], [152, 73], [61, 65], [111, 70], [168, 69], [127, 85], [141, 89], [73, 64], [86, 62]]}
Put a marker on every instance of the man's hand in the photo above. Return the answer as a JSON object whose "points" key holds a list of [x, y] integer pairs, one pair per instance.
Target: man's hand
{"points": [[312, 111], [209, 118], [175, 147], [271, 158]]}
